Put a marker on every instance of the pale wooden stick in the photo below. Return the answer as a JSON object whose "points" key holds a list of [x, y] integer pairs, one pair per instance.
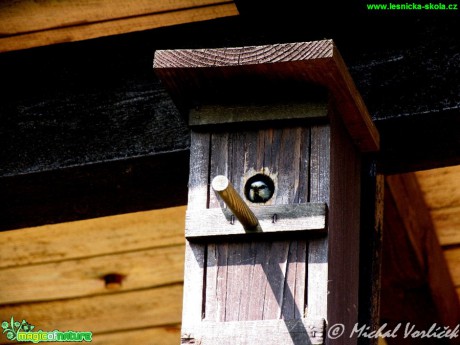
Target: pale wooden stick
{"points": [[235, 203]]}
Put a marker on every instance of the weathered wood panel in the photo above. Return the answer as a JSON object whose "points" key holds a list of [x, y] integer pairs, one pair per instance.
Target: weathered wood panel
{"points": [[26, 24], [83, 277], [319, 191], [290, 219], [105, 313], [257, 280], [87, 238]]}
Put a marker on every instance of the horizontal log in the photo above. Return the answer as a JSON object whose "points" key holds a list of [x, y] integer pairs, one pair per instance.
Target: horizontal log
{"points": [[104, 313], [95, 237], [85, 276]]}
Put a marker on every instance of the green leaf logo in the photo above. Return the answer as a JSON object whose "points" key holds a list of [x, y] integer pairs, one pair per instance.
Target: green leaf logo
{"points": [[13, 327]]}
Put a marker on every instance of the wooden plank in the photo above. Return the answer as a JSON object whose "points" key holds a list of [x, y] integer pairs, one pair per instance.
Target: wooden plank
{"points": [[290, 218], [103, 313], [23, 16], [101, 236], [195, 254], [257, 280], [215, 114], [319, 191], [273, 332], [85, 276], [192, 76], [114, 27]]}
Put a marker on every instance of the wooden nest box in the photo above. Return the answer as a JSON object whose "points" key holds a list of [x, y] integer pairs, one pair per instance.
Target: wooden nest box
{"points": [[278, 133]]}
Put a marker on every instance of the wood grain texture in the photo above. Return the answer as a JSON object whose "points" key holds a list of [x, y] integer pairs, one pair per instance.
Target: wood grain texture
{"points": [[215, 114], [195, 254], [187, 75], [250, 332], [36, 33], [105, 313], [17, 17], [235, 203], [441, 192], [83, 277], [90, 238], [344, 229], [318, 191], [250, 275], [289, 218]]}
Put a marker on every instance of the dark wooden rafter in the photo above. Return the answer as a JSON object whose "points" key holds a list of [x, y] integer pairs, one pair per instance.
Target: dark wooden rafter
{"points": [[408, 82]]}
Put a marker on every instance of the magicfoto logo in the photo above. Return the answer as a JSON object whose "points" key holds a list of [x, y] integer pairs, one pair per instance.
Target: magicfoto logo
{"points": [[23, 332]]}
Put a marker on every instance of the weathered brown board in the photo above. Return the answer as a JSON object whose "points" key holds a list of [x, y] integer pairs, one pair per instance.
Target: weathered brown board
{"points": [[288, 219], [95, 237]]}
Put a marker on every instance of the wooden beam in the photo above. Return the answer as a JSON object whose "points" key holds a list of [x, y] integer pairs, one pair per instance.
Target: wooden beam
{"points": [[414, 267], [202, 73], [94, 190], [84, 277], [104, 313], [109, 235], [25, 24]]}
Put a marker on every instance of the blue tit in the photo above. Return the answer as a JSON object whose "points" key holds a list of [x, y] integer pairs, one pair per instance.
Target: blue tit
{"points": [[259, 192]]}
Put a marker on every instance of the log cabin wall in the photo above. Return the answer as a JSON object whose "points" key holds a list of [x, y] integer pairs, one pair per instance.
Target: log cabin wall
{"points": [[54, 277]]}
